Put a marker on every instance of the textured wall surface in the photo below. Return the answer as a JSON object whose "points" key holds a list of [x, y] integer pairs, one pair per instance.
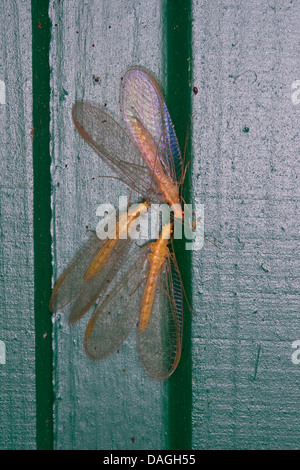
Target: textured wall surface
{"points": [[17, 379], [244, 131], [245, 170]]}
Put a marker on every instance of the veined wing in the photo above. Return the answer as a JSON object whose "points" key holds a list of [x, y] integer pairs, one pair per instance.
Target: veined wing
{"points": [[142, 100], [101, 282], [72, 284], [113, 319], [160, 344], [115, 148], [71, 280]]}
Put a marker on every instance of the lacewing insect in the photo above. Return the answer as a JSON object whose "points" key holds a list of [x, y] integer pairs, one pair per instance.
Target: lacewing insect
{"points": [[158, 302], [94, 268], [149, 159], [149, 162]]}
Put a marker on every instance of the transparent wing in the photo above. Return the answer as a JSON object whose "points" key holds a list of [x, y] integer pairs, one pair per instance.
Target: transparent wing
{"points": [[142, 100], [116, 149], [72, 281], [113, 319], [101, 282], [160, 344]]}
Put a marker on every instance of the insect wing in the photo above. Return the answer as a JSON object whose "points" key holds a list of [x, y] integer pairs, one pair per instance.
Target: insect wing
{"points": [[172, 147], [160, 344], [142, 100], [113, 319], [106, 137], [101, 282], [72, 281]]}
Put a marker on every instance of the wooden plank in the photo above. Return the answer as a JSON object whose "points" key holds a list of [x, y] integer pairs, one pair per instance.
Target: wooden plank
{"points": [[245, 169], [111, 404], [17, 374]]}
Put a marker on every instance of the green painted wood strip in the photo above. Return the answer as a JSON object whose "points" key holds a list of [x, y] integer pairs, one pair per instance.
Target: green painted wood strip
{"points": [[42, 220], [17, 374], [178, 55], [245, 170]]}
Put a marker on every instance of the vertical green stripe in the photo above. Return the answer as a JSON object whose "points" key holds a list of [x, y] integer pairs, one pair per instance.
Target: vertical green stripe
{"points": [[41, 220], [178, 42]]}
